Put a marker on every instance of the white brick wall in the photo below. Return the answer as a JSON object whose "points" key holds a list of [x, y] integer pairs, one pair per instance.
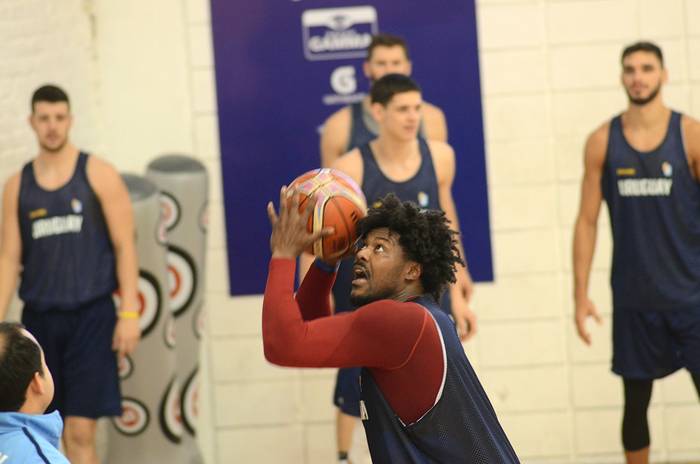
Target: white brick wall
{"points": [[550, 72]]}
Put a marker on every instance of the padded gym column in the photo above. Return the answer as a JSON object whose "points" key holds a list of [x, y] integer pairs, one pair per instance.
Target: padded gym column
{"points": [[149, 429], [183, 183]]}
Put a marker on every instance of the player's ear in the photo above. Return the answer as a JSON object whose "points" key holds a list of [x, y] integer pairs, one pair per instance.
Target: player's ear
{"points": [[377, 110], [413, 271]]}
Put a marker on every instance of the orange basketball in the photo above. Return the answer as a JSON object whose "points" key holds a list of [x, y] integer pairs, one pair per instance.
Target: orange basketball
{"points": [[340, 204]]}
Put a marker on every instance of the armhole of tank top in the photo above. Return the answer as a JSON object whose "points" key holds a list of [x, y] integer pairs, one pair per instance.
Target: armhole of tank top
{"points": [[611, 127], [681, 135], [82, 170], [444, 370], [353, 124]]}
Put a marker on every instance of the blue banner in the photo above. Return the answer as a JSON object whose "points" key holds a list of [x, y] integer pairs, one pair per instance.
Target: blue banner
{"points": [[283, 66]]}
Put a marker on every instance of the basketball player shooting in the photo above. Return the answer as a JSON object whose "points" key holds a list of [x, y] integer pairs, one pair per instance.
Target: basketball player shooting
{"points": [[421, 400]]}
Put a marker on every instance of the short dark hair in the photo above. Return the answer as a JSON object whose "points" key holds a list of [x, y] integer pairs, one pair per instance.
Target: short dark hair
{"points": [[49, 93], [20, 359], [384, 89], [643, 46], [424, 236], [386, 40]]}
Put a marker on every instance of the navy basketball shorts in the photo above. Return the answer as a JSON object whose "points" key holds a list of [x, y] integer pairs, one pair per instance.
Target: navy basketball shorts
{"points": [[653, 344], [77, 345]]}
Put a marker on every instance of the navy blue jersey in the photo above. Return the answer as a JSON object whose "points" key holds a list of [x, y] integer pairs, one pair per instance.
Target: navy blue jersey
{"points": [[67, 255], [654, 206], [461, 427], [422, 188], [360, 133]]}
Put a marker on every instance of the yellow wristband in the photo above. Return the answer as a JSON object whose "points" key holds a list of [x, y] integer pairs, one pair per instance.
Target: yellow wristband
{"points": [[129, 315]]}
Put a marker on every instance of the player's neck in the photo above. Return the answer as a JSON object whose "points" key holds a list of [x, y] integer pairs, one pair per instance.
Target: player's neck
{"points": [[646, 116], [388, 147], [57, 160]]}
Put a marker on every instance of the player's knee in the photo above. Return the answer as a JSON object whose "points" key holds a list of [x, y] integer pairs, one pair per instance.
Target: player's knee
{"points": [[79, 435]]}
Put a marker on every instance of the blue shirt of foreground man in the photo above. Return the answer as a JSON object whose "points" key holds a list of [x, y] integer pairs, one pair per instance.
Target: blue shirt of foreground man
{"points": [[27, 436], [421, 400]]}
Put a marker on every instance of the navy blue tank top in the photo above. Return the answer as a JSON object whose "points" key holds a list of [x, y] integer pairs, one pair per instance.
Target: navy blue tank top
{"points": [[654, 206], [360, 134], [422, 189], [461, 427], [67, 255]]}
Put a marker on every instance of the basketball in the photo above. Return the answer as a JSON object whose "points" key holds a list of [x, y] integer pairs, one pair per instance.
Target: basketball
{"points": [[340, 204]]}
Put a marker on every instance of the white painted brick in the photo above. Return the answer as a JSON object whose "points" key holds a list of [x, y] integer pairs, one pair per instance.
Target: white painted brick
{"points": [[216, 232], [316, 373], [320, 443], [201, 46], [533, 342], [234, 316], [568, 152], [243, 360], [216, 193], [679, 98], [261, 445], [602, 256], [694, 56], [508, 212], [516, 117], [526, 251], [598, 431], [677, 388], [568, 203], [695, 100], [539, 435], [217, 272], [521, 389], [520, 161], [317, 400], [513, 71], [587, 21], [206, 131], [581, 112], [692, 17], [203, 91], [595, 386], [683, 426], [257, 403], [585, 66], [518, 297], [600, 350], [197, 11], [510, 25], [675, 59], [661, 19]]}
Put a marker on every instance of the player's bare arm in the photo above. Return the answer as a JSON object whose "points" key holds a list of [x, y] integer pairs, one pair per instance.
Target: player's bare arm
{"points": [[335, 136], [434, 123], [461, 292], [691, 136], [351, 164], [10, 243], [116, 205], [586, 227]]}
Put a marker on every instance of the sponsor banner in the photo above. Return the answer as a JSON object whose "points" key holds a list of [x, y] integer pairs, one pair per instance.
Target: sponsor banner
{"points": [[284, 66]]}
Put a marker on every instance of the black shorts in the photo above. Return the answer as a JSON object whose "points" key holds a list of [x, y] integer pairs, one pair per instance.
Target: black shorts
{"points": [[77, 345], [652, 344]]}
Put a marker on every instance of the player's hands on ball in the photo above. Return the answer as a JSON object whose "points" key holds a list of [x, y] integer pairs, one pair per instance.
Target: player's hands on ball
{"points": [[289, 234]]}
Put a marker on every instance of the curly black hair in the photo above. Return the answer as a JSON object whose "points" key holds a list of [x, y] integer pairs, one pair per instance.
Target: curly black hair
{"points": [[425, 237]]}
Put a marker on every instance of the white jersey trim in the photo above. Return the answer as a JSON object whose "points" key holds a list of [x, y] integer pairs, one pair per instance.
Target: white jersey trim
{"points": [[444, 370]]}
